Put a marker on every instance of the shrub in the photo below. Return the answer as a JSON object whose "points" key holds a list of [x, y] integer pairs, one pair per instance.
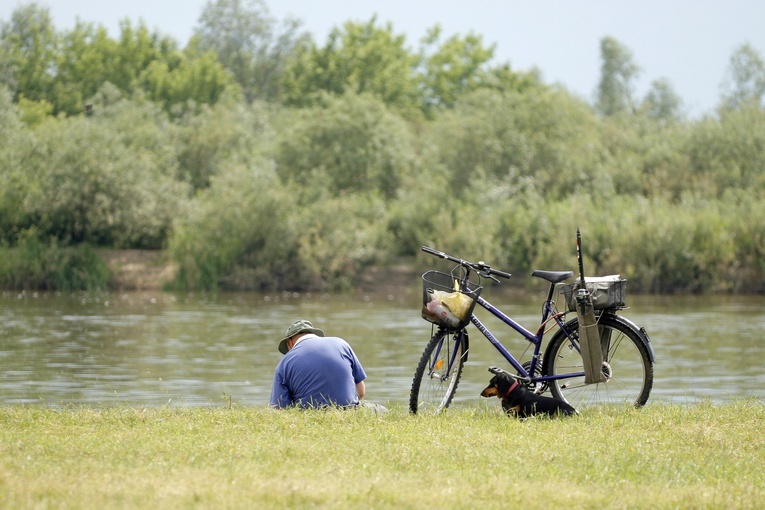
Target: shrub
{"points": [[34, 265]]}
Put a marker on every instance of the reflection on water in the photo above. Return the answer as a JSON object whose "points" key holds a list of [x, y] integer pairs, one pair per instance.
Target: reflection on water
{"points": [[195, 349]]}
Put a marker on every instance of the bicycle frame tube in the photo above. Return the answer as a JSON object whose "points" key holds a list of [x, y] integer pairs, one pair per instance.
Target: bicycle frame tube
{"points": [[531, 337], [535, 339], [501, 348]]}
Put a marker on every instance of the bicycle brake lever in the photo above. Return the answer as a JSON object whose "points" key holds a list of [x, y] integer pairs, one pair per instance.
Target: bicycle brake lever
{"points": [[484, 270], [486, 274]]}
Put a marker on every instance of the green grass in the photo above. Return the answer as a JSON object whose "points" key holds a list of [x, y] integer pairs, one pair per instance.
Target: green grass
{"points": [[662, 456]]}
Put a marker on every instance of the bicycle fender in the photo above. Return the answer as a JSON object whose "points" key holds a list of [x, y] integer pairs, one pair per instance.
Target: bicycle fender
{"points": [[641, 332]]}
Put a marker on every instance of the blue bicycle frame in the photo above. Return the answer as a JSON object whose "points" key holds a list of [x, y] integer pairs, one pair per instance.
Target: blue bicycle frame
{"points": [[548, 313]]}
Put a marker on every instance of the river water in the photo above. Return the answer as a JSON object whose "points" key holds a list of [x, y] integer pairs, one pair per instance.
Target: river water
{"points": [[158, 348]]}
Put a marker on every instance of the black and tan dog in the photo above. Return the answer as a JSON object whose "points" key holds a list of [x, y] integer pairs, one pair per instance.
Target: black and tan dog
{"points": [[517, 400]]}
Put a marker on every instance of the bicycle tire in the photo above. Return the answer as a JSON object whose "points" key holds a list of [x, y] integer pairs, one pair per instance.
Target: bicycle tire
{"points": [[628, 366], [432, 392]]}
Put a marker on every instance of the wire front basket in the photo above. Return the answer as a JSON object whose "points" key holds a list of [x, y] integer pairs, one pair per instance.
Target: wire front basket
{"points": [[448, 301]]}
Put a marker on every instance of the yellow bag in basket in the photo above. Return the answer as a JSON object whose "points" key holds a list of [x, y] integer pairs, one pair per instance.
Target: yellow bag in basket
{"points": [[457, 302]]}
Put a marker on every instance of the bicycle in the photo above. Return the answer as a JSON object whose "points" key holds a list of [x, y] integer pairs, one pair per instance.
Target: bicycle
{"points": [[628, 357]]}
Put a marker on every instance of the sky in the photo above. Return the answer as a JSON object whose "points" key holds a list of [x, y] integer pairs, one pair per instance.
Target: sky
{"points": [[687, 42]]}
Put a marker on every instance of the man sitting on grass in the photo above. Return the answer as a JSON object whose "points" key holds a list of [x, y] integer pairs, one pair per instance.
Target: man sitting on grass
{"points": [[316, 370]]}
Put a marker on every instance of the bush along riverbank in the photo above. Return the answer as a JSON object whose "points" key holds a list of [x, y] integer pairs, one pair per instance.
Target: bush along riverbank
{"points": [[660, 456], [34, 266]]}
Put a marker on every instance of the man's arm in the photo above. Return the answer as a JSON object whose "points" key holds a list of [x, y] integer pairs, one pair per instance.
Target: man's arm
{"points": [[361, 389], [280, 394]]}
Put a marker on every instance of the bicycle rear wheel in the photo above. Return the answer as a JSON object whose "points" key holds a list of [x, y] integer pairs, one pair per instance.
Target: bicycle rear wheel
{"points": [[438, 372], [627, 366]]}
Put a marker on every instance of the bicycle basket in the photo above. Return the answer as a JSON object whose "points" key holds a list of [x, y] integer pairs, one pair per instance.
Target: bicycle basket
{"points": [[608, 292], [445, 302]]}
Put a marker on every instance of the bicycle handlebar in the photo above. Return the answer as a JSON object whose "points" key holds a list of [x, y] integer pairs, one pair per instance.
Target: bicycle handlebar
{"points": [[480, 266]]}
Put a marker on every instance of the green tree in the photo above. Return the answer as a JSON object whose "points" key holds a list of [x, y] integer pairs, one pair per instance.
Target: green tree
{"points": [[34, 112], [85, 61], [248, 43], [28, 52], [647, 156], [213, 136], [353, 144], [544, 140], [359, 59], [453, 68], [12, 171], [502, 78], [235, 230], [746, 225], [65, 71], [137, 48], [728, 153], [9, 118], [336, 238], [106, 179], [618, 72], [662, 103], [200, 79], [248, 230], [745, 80]]}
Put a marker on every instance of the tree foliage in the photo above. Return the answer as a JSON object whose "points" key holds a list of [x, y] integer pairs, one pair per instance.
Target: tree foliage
{"points": [[261, 160], [745, 80], [351, 144], [454, 68], [358, 59], [28, 50], [662, 103], [107, 180], [248, 43], [521, 142], [618, 72], [66, 68]]}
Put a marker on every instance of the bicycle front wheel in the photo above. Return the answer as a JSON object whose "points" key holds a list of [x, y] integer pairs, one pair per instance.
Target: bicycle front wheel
{"points": [[438, 372], [627, 366]]}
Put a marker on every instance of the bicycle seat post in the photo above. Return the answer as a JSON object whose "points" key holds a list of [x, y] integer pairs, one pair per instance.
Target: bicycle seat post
{"points": [[550, 293], [553, 277]]}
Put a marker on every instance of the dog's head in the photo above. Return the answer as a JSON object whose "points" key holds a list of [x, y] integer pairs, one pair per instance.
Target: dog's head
{"points": [[491, 390], [499, 385]]}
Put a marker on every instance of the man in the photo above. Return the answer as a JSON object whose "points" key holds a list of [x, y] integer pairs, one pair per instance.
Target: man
{"points": [[316, 370]]}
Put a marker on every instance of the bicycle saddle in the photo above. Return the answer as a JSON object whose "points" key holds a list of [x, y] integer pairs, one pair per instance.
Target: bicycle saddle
{"points": [[553, 276]]}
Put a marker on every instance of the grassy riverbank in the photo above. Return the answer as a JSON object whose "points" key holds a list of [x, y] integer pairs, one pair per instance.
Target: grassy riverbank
{"points": [[662, 456]]}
